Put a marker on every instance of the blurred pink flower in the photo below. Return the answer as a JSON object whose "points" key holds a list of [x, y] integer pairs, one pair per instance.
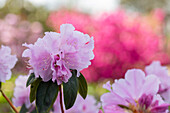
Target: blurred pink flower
{"points": [[121, 41], [82, 22], [134, 94], [21, 92], [89, 105], [162, 73], [52, 56], [7, 62], [14, 31]]}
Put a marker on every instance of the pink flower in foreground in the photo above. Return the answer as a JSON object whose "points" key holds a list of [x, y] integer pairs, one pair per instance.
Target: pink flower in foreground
{"points": [[52, 56], [136, 93], [21, 92], [7, 62], [89, 105], [162, 73]]}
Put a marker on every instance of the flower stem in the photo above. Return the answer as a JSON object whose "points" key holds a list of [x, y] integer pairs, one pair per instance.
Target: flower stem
{"points": [[10, 103], [61, 103]]}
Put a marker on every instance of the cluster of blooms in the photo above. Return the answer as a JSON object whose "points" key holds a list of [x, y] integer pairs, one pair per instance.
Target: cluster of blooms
{"points": [[52, 56], [14, 31], [139, 93], [7, 62], [121, 41], [89, 105]]}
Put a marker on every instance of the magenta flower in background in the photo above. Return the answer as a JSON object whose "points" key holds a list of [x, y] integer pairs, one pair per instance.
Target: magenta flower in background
{"points": [[89, 105], [7, 62], [21, 92], [135, 93], [162, 73], [52, 56], [82, 22]]}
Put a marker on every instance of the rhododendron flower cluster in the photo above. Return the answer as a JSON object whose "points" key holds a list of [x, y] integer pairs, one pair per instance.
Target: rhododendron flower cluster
{"points": [[52, 56], [21, 92], [162, 73], [7, 62], [89, 105], [136, 93], [121, 41]]}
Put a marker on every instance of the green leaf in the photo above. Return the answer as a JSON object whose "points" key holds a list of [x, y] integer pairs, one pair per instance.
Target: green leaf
{"points": [[82, 86], [23, 109], [70, 90], [0, 85], [46, 95], [34, 87], [31, 79]]}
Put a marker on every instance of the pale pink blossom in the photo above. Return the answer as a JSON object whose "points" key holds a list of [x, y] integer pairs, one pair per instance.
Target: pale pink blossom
{"points": [[136, 92], [52, 56], [162, 73], [21, 92], [7, 62]]}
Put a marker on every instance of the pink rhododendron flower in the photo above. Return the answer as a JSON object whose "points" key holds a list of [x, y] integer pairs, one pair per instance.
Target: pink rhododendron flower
{"points": [[52, 56], [136, 93], [7, 62], [21, 92], [89, 105], [162, 73]]}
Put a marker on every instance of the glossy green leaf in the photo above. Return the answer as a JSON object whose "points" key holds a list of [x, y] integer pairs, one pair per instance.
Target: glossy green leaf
{"points": [[31, 79], [82, 86], [23, 109], [70, 90], [46, 95], [34, 87]]}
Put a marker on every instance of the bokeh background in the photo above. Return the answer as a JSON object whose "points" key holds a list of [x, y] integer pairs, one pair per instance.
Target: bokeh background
{"points": [[127, 33]]}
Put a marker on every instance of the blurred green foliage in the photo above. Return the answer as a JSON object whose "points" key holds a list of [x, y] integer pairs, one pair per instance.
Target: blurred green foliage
{"points": [[144, 5], [7, 88], [27, 11]]}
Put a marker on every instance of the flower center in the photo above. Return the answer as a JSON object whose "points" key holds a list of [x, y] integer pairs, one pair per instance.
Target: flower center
{"points": [[138, 109], [142, 105]]}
